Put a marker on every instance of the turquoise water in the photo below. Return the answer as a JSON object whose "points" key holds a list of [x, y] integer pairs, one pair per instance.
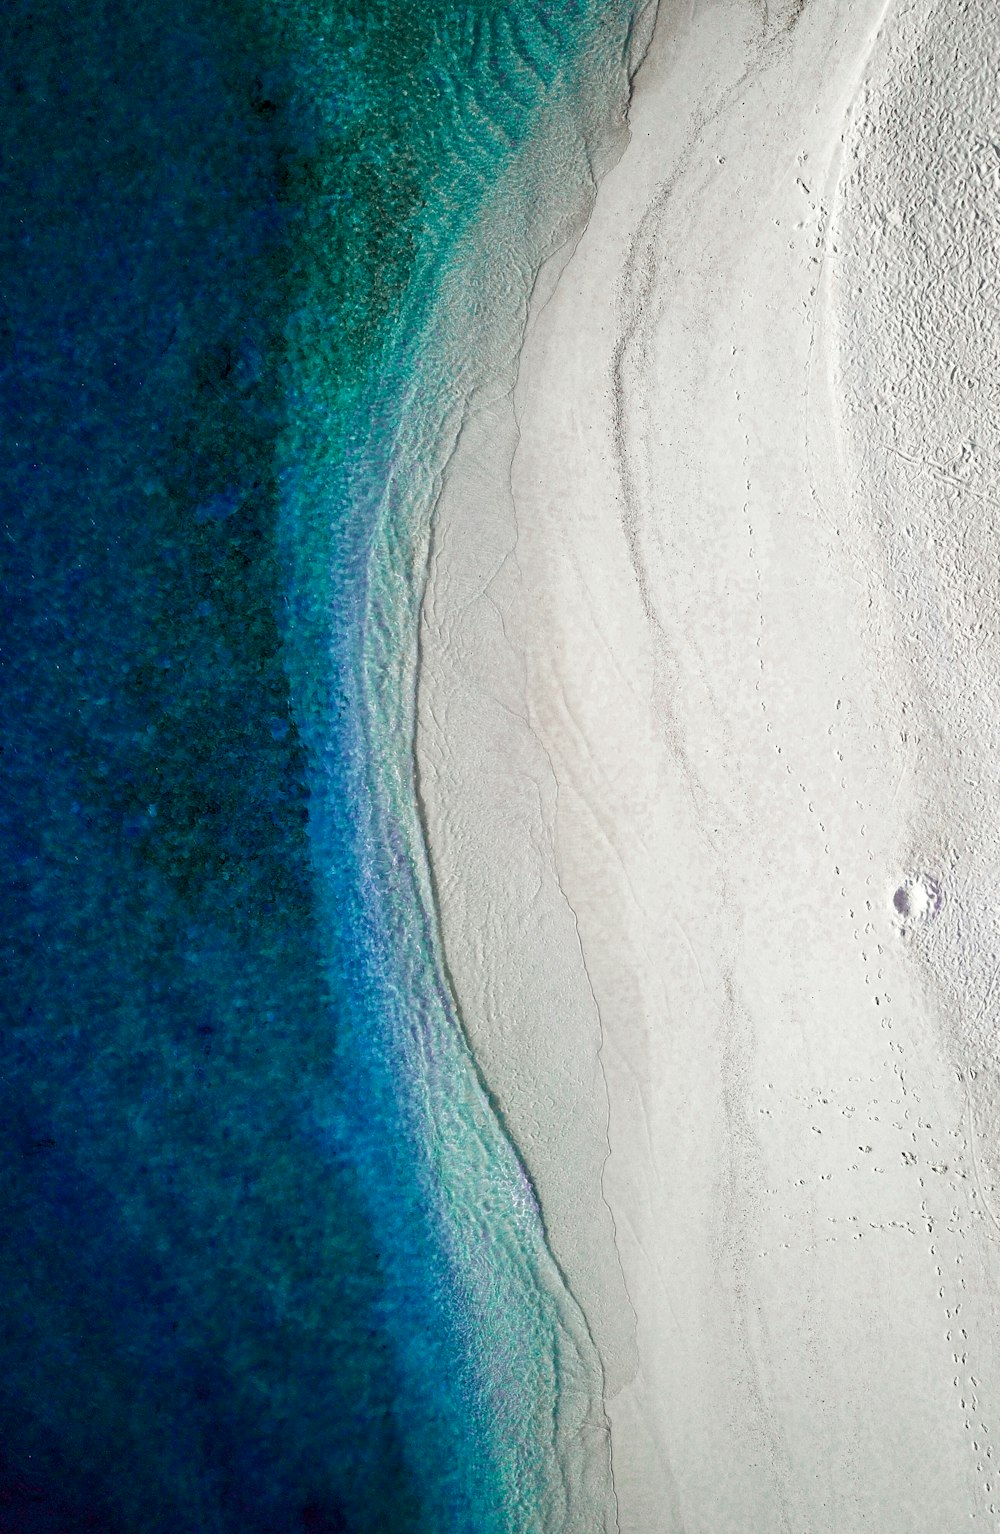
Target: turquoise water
{"points": [[272, 1261]]}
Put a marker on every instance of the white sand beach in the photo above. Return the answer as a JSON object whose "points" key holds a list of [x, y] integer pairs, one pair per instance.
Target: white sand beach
{"points": [[709, 712]]}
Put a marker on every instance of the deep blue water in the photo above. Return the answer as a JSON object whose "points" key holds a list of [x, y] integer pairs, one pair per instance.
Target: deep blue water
{"points": [[268, 1261]]}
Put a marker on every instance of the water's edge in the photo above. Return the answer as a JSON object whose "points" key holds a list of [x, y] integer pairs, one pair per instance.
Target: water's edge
{"points": [[485, 1329]]}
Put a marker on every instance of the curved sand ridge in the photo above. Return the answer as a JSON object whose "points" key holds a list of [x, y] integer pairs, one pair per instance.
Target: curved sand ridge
{"points": [[706, 742]]}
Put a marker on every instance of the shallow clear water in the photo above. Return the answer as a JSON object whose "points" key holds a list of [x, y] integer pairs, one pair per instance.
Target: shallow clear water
{"points": [[272, 1262]]}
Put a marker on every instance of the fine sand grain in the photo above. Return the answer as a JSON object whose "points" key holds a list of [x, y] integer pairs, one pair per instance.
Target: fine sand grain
{"points": [[709, 722]]}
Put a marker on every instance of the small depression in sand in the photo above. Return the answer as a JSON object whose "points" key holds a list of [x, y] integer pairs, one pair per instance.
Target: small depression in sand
{"points": [[916, 901]]}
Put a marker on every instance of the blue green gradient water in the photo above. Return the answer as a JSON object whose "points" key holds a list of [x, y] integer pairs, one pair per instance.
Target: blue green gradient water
{"points": [[269, 1259]]}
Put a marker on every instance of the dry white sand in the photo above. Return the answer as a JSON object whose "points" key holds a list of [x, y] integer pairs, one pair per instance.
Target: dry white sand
{"points": [[708, 746]]}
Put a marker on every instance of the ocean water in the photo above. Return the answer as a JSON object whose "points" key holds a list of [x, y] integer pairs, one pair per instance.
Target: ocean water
{"points": [[269, 1259]]}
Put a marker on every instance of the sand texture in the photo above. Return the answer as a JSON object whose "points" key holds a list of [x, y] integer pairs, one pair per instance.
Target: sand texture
{"points": [[708, 734]]}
